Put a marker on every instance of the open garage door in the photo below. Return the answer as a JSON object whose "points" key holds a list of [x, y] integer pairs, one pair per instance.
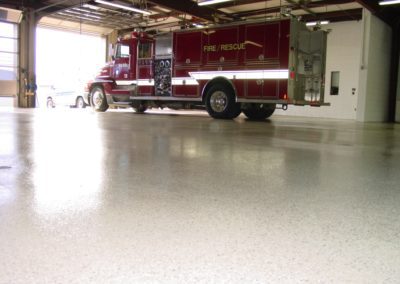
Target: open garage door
{"points": [[65, 61], [8, 62]]}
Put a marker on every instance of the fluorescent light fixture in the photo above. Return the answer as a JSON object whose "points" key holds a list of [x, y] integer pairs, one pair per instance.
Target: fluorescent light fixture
{"points": [[123, 7], [310, 24], [210, 2], [391, 2]]}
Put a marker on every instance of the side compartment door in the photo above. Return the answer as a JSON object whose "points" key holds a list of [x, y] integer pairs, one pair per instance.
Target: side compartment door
{"points": [[306, 65], [187, 58], [262, 52], [145, 67]]}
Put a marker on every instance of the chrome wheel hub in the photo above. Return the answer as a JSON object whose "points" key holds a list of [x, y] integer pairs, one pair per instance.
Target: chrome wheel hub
{"points": [[218, 101], [97, 98]]}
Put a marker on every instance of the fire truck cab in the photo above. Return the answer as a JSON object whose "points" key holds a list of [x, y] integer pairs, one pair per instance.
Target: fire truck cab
{"points": [[250, 67]]}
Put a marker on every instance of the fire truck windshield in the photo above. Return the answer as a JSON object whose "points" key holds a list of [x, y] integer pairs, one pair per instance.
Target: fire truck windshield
{"points": [[122, 51]]}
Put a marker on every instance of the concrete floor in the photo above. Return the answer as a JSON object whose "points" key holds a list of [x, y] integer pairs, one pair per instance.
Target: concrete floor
{"points": [[118, 197]]}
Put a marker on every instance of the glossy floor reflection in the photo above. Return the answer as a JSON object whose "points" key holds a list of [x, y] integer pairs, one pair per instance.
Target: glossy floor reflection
{"points": [[118, 197]]}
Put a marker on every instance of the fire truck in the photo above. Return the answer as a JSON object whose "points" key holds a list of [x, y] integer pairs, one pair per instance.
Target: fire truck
{"points": [[252, 68]]}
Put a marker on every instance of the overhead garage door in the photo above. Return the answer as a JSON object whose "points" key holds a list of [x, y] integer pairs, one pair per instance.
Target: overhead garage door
{"points": [[8, 59]]}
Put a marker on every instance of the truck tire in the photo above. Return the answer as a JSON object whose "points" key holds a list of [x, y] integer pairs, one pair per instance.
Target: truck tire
{"points": [[50, 103], [220, 102], [236, 112], [259, 111], [99, 101], [139, 107], [80, 103]]}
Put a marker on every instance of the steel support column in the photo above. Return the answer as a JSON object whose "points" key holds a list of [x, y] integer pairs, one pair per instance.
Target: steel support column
{"points": [[394, 96], [27, 60]]}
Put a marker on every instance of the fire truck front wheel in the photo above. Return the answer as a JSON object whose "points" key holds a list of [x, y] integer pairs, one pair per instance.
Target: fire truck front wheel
{"points": [[99, 101], [220, 102]]}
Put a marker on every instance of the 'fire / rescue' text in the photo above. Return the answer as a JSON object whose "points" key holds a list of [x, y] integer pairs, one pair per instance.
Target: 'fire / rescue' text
{"points": [[224, 47]]}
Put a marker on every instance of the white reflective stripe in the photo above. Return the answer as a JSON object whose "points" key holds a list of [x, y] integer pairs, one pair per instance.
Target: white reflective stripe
{"points": [[125, 82], [186, 81], [207, 75], [145, 82], [242, 74], [140, 82]]}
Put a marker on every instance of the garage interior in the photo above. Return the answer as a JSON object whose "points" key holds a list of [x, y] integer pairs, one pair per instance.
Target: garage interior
{"points": [[308, 195]]}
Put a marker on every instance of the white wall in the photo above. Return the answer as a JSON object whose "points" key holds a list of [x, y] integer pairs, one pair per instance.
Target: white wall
{"points": [[343, 55], [375, 70]]}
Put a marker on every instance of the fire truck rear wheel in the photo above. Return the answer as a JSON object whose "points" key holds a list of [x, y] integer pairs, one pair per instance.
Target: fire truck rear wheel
{"points": [[259, 111], [236, 111], [141, 108], [220, 102], [99, 101]]}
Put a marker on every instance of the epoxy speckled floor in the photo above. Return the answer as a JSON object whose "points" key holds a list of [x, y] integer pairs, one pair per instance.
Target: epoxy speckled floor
{"points": [[118, 197]]}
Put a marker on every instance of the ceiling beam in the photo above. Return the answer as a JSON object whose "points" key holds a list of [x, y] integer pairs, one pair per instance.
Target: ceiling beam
{"points": [[336, 16], [79, 20], [371, 5], [237, 3], [388, 14], [20, 5], [50, 5], [191, 8], [301, 6], [311, 5], [59, 7]]}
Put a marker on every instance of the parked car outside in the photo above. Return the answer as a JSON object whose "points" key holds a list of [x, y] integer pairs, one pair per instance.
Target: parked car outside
{"points": [[51, 96]]}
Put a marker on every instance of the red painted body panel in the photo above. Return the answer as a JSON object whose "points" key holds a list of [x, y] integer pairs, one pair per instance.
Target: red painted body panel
{"points": [[187, 48], [219, 49], [184, 90], [259, 46], [244, 47]]}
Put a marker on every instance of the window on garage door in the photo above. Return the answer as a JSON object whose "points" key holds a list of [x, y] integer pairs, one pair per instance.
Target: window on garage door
{"points": [[8, 59]]}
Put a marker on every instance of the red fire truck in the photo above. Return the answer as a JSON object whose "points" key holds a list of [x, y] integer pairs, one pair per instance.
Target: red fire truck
{"points": [[249, 67]]}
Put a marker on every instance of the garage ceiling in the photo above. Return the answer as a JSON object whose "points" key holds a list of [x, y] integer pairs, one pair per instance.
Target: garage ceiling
{"points": [[173, 14]]}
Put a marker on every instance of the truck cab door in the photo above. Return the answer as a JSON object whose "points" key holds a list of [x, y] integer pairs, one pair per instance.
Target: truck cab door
{"points": [[121, 62], [306, 65], [144, 72]]}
